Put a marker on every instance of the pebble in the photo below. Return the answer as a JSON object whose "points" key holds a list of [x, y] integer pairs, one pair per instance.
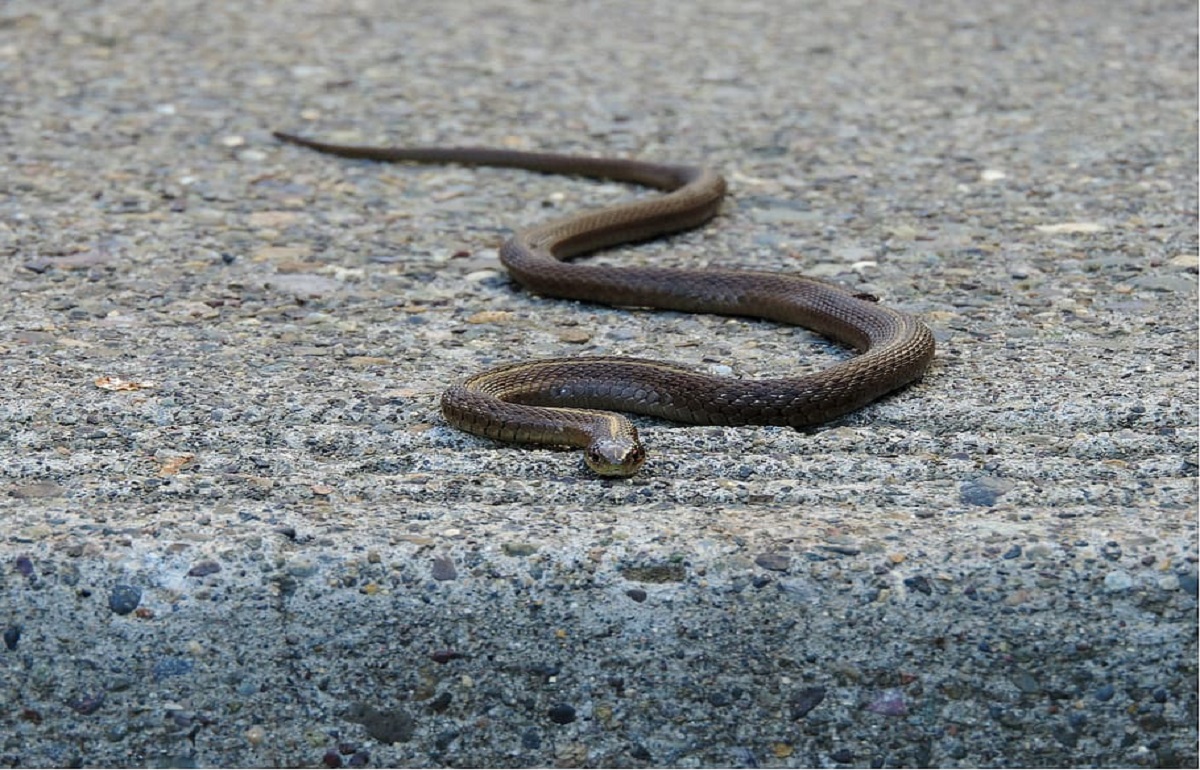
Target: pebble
{"points": [[23, 566], [169, 667], [562, 714], [774, 561], [12, 635], [1117, 581], [984, 492], [804, 701], [202, 568], [889, 703], [124, 599], [443, 569]]}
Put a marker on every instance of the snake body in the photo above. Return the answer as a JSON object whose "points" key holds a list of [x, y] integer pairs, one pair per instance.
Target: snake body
{"points": [[564, 401]]}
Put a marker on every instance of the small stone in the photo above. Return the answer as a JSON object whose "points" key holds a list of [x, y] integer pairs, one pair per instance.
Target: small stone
{"points": [[574, 336], [984, 492], [776, 562], [169, 667], [637, 594], [919, 583], [202, 568], [87, 704], [842, 756], [889, 703], [805, 701], [256, 735], [124, 599], [443, 569], [12, 635], [1071, 228], [1169, 583], [1025, 682], [562, 714], [331, 759], [23, 566], [1117, 581], [444, 656], [1105, 693]]}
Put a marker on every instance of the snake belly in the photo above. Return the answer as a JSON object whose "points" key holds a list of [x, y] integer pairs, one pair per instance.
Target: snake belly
{"points": [[567, 401]]}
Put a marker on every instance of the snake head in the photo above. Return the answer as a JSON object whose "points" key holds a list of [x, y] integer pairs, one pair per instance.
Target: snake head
{"points": [[614, 457]]}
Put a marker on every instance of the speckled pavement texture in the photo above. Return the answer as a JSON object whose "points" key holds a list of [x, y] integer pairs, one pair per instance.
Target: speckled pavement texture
{"points": [[235, 530]]}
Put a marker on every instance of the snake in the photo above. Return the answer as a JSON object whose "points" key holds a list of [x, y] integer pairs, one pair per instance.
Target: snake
{"points": [[575, 402]]}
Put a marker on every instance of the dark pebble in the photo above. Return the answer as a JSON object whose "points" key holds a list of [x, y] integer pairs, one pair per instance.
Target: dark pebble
{"points": [[1106, 693], [562, 714], [1189, 584], [24, 566], [1012, 553], [919, 583], [806, 700], [124, 599], [360, 758], [443, 569], [776, 562], [530, 739], [843, 756], [331, 759], [347, 748], [444, 656], [12, 635], [202, 568]]}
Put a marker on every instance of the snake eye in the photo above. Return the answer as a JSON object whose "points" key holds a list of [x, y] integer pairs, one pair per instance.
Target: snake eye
{"points": [[611, 457]]}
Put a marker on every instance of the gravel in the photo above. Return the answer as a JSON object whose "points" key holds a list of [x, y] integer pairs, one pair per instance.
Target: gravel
{"points": [[237, 532]]}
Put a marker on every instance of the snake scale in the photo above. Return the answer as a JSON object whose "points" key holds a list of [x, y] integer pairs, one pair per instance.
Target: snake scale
{"points": [[564, 401]]}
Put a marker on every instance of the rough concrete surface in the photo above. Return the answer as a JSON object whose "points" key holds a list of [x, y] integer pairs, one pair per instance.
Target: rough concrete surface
{"points": [[236, 531]]}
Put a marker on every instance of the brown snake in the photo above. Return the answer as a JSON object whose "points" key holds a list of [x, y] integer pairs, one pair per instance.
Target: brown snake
{"points": [[555, 401]]}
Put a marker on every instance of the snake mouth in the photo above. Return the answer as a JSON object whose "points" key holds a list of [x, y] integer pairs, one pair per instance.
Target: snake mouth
{"points": [[614, 457]]}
